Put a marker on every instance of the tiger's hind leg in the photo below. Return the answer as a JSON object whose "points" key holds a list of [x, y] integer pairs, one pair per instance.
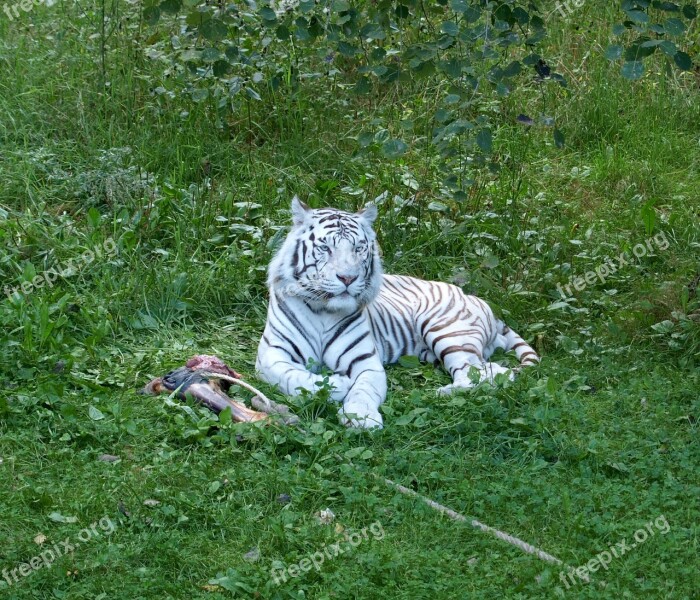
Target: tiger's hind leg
{"points": [[462, 351], [487, 371], [464, 335]]}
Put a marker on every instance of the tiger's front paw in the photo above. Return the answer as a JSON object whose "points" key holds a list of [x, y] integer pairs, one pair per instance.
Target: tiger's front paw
{"points": [[341, 386], [448, 390], [360, 416]]}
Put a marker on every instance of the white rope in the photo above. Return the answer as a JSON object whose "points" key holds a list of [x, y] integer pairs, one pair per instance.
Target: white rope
{"points": [[501, 535]]}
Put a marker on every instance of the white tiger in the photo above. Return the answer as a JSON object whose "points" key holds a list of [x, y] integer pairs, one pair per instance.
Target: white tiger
{"points": [[330, 303]]}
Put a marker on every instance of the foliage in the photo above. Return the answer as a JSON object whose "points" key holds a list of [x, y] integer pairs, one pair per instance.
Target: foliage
{"points": [[644, 37], [464, 56]]}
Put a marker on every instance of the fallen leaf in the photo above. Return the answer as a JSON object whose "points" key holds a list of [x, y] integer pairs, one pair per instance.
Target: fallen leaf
{"points": [[252, 555], [59, 518], [95, 413], [40, 539], [325, 516], [108, 458]]}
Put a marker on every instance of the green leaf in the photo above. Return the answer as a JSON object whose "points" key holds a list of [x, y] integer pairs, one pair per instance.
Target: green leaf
{"points": [[484, 139], [674, 27], [213, 30], [372, 31], [521, 15], [95, 413], [196, 18], [220, 68], [381, 136], [232, 582], [267, 14], [683, 61], [690, 11], [200, 94], [171, 6], [402, 11], [452, 67], [633, 70], [436, 206], [301, 29], [409, 361], [353, 452], [151, 15], [394, 148], [252, 93], [667, 6], [490, 261], [93, 217], [365, 139], [404, 420], [637, 16], [637, 51], [347, 50], [513, 69], [450, 28], [362, 86], [668, 48], [559, 139], [211, 55], [649, 218], [614, 52]]}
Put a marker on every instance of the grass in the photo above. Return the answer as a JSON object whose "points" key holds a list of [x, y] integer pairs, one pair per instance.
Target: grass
{"points": [[575, 456]]}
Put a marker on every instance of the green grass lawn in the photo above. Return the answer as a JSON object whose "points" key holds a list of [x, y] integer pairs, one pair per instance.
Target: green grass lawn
{"points": [[168, 211]]}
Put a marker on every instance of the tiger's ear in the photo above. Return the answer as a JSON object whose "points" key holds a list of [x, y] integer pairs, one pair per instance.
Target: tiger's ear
{"points": [[369, 213], [300, 212]]}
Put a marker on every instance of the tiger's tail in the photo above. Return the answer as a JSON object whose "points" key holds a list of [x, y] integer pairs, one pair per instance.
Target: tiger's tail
{"points": [[525, 353]]}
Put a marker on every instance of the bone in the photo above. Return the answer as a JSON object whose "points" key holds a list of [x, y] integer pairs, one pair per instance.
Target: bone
{"points": [[260, 400], [206, 379]]}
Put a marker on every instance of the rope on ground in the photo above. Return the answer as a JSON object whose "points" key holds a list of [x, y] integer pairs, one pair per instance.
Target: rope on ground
{"points": [[454, 515]]}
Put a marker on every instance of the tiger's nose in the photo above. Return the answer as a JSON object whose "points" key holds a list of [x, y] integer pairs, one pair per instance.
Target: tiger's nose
{"points": [[346, 279]]}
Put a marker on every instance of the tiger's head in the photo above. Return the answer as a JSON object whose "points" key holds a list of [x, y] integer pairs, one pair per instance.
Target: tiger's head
{"points": [[330, 259]]}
